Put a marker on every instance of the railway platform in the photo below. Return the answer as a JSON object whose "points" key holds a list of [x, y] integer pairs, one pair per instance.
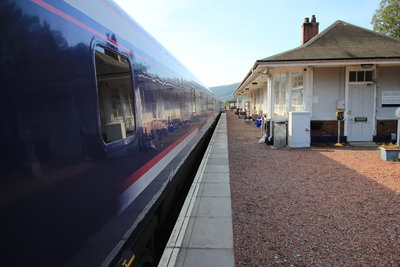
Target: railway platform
{"points": [[202, 235]]}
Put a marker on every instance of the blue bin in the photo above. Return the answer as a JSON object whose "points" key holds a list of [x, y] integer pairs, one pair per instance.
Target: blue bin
{"points": [[258, 123]]}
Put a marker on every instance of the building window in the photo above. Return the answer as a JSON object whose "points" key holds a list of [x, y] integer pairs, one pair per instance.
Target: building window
{"points": [[360, 76], [280, 94], [114, 83], [298, 103]]}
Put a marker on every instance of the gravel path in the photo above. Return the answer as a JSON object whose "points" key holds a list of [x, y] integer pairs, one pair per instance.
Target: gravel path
{"points": [[320, 206]]}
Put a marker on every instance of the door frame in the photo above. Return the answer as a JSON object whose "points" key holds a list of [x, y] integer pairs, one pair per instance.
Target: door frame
{"points": [[374, 77]]}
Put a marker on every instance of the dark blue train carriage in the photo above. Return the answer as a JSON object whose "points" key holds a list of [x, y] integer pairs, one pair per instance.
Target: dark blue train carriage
{"points": [[98, 122]]}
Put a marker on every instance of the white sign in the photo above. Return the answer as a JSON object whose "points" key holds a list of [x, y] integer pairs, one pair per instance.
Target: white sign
{"points": [[391, 98]]}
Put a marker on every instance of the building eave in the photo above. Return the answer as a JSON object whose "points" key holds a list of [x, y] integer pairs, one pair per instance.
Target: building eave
{"points": [[255, 71], [246, 80], [328, 62]]}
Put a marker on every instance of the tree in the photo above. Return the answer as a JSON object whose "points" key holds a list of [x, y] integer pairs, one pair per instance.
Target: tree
{"points": [[386, 19]]}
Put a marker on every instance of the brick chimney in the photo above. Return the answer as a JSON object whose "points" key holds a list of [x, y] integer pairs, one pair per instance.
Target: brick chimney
{"points": [[310, 29]]}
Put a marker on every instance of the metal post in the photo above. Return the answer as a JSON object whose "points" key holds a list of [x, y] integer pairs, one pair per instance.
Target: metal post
{"points": [[338, 135]]}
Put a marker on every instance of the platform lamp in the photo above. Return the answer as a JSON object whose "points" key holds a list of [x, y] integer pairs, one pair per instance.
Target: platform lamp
{"points": [[397, 114]]}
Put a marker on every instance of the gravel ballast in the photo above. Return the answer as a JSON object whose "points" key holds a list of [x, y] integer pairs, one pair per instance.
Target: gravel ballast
{"points": [[318, 206]]}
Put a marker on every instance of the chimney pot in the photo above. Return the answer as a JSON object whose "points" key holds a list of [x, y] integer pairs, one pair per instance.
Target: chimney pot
{"points": [[306, 20], [313, 19]]}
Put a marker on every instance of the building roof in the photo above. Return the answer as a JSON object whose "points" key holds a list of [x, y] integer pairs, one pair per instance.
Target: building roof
{"points": [[342, 41]]}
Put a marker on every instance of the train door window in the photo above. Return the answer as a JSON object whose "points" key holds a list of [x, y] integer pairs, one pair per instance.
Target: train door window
{"points": [[114, 83]]}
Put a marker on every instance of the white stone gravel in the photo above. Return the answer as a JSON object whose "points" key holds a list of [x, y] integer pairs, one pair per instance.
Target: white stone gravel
{"points": [[318, 206]]}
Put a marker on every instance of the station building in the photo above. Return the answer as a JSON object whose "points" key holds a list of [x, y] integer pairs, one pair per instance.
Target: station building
{"points": [[345, 67]]}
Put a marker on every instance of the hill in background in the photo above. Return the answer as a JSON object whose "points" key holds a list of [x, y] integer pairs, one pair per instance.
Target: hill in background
{"points": [[224, 92]]}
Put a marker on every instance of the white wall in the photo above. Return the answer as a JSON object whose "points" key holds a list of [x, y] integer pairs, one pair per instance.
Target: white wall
{"points": [[268, 97], [388, 79], [256, 99], [328, 88], [260, 100]]}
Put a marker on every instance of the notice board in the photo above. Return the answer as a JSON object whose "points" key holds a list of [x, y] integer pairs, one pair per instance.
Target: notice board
{"points": [[390, 98]]}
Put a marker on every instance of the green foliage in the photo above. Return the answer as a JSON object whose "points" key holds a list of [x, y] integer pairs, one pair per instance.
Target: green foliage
{"points": [[227, 105], [386, 19]]}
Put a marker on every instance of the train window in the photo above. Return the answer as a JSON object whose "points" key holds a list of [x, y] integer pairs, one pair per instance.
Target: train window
{"points": [[114, 83]]}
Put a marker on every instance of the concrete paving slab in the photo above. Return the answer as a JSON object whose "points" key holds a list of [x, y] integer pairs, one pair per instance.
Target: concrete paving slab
{"points": [[206, 257], [216, 178], [220, 161], [216, 168], [220, 151], [221, 147], [214, 190], [210, 233], [215, 207], [214, 155]]}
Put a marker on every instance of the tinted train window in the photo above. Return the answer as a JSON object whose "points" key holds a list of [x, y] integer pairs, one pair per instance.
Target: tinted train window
{"points": [[114, 83]]}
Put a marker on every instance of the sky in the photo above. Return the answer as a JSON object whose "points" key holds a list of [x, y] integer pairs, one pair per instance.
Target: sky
{"points": [[219, 40]]}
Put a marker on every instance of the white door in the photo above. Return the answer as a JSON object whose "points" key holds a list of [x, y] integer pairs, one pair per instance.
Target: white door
{"points": [[360, 112], [299, 129]]}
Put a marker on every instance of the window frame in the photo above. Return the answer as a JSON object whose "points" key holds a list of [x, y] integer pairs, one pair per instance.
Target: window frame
{"points": [[282, 94], [292, 88], [116, 144], [357, 71], [307, 91]]}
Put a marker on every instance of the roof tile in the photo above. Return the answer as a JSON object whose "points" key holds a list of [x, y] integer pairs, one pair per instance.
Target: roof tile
{"points": [[342, 40]]}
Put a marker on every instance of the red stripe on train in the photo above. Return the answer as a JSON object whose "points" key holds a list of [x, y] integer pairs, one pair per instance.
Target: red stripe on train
{"points": [[146, 167]]}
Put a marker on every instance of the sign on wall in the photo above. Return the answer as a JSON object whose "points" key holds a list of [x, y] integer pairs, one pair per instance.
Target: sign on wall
{"points": [[390, 98], [361, 119]]}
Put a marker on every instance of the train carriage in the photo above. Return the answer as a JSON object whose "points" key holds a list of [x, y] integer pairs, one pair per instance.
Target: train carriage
{"points": [[98, 125]]}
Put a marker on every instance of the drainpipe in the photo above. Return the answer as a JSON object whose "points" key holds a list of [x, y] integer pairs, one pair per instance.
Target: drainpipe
{"points": [[397, 114]]}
